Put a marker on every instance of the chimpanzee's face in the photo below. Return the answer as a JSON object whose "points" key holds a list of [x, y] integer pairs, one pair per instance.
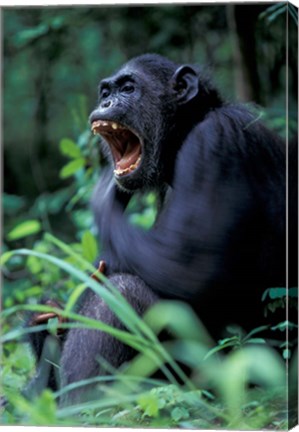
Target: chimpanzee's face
{"points": [[125, 118]]}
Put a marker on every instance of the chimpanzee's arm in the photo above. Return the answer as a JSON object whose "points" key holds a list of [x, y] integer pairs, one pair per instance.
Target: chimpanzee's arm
{"points": [[190, 249]]}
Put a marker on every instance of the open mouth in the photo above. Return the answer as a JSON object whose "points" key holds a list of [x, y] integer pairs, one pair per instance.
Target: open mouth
{"points": [[124, 144]]}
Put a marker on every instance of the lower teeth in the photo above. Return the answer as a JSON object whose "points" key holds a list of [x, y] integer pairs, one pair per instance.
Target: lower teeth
{"points": [[129, 169]]}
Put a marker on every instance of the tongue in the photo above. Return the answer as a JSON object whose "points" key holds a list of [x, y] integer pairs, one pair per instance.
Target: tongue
{"points": [[129, 158]]}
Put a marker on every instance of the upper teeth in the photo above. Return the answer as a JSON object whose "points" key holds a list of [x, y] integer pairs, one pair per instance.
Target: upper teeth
{"points": [[103, 123]]}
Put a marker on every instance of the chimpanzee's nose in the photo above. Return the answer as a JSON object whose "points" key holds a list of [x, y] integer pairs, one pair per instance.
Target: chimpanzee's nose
{"points": [[106, 104]]}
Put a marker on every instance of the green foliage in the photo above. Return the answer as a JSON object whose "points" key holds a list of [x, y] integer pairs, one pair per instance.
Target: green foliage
{"points": [[69, 148], [239, 339], [149, 404], [280, 298], [272, 12], [72, 167], [232, 404], [12, 203], [24, 229], [182, 408], [41, 411], [89, 247], [143, 210], [275, 293]]}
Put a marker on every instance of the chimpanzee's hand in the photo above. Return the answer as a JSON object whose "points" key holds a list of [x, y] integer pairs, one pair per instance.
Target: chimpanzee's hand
{"points": [[44, 317]]}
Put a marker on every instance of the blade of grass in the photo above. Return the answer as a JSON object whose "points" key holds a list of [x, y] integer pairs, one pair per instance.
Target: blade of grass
{"points": [[126, 313]]}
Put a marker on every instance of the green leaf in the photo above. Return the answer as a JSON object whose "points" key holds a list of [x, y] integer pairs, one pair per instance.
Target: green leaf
{"points": [[149, 404], [256, 341], [293, 12], [6, 257], [271, 12], [44, 408], [179, 413], [256, 330], [284, 325], [275, 293], [69, 148], [28, 35], [219, 348], [265, 294], [72, 167], [12, 203], [293, 292], [34, 265], [286, 354], [53, 325], [161, 403], [223, 342], [24, 229], [144, 220], [89, 246]]}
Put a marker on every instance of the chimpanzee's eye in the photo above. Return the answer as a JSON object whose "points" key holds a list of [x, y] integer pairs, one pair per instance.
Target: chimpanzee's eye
{"points": [[128, 88], [105, 92]]}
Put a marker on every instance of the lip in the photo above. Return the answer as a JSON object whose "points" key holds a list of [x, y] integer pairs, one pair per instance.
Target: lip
{"points": [[124, 143]]}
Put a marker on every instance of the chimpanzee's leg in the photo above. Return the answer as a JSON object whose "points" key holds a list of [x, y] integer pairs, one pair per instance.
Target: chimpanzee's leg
{"points": [[84, 348]]}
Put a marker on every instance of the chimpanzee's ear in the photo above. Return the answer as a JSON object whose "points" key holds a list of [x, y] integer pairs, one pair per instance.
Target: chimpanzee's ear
{"points": [[185, 84]]}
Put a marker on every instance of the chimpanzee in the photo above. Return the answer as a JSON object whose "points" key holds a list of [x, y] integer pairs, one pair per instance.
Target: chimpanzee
{"points": [[220, 237]]}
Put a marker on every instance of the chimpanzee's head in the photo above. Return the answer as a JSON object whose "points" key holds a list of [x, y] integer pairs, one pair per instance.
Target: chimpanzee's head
{"points": [[143, 112]]}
